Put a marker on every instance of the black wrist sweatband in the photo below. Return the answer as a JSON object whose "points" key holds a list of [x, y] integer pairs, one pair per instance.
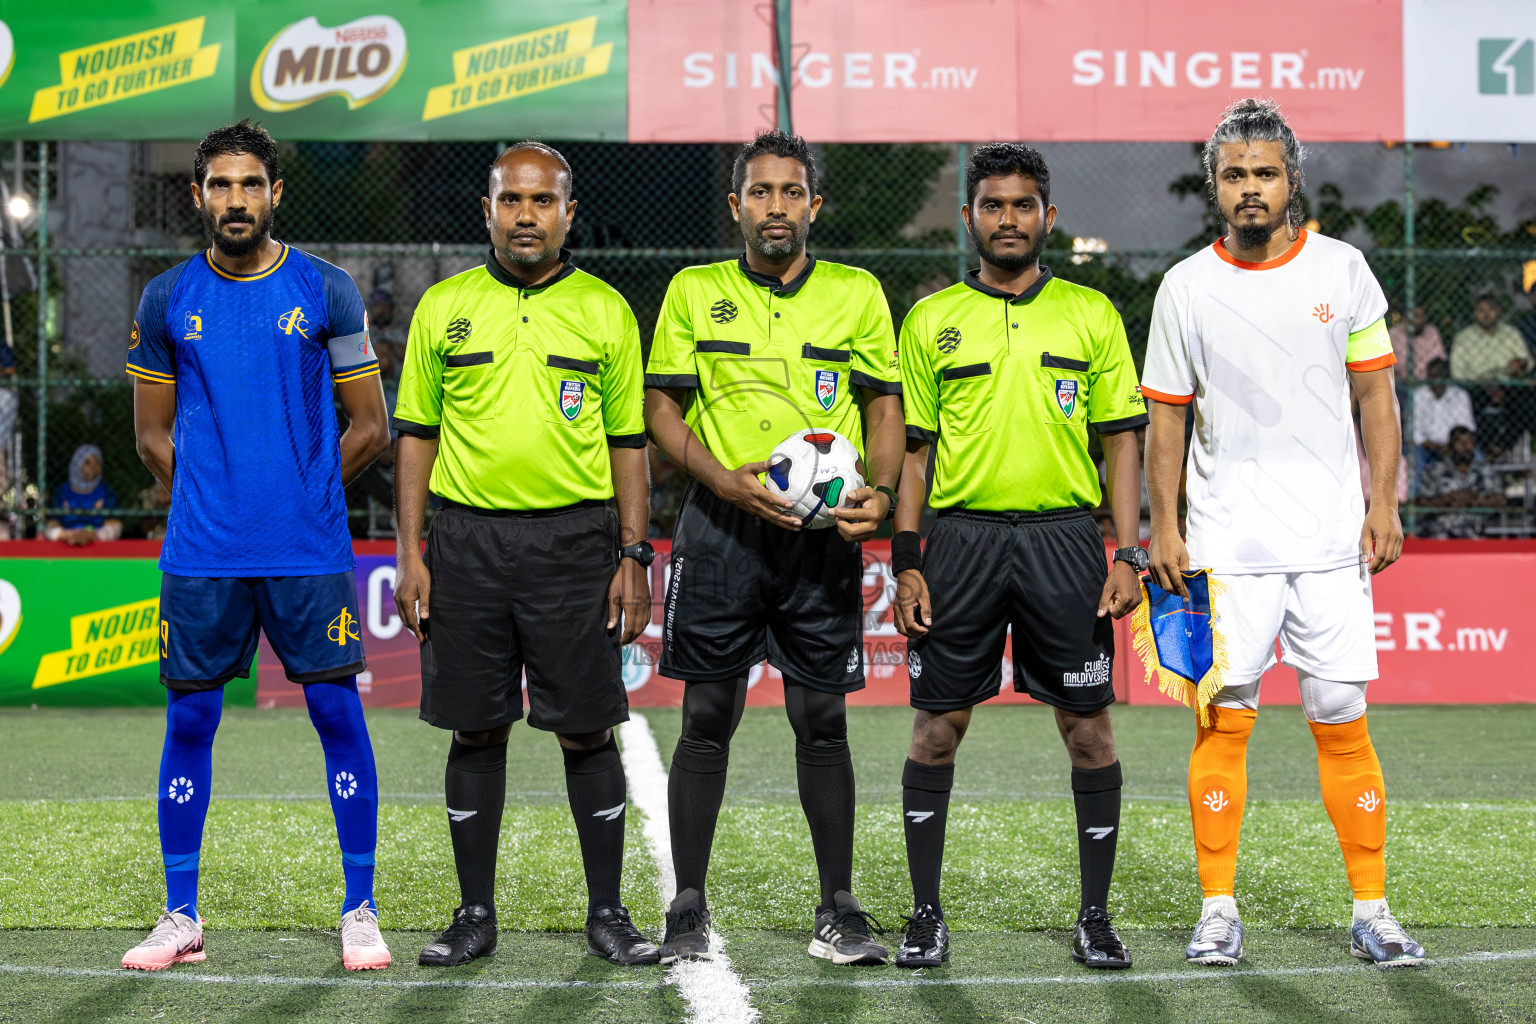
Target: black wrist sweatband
{"points": [[906, 552]]}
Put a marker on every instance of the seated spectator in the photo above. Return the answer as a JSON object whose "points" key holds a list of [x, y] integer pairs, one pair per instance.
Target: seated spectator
{"points": [[1427, 344], [1458, 481], [1489, 349], [1438, 407], [155, 498], [86, 493], [1500, 424], [1527, 323]]}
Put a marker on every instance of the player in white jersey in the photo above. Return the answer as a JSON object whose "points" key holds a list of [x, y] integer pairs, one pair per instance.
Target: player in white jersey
{"points": [[1266, 333]]}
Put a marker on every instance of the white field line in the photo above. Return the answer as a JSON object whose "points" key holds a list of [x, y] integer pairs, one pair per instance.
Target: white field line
{"points": [[918, 980], [714, 992]]}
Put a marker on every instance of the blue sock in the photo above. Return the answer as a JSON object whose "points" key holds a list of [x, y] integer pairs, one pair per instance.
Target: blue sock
{"points": [[186, 776], [351, 780]]}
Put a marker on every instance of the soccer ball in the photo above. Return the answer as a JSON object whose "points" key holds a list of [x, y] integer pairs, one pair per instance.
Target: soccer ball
{"points": [[816, 470]]}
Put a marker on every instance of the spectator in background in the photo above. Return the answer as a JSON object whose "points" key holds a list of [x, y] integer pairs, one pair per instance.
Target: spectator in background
{"points": [[1489, 349], [1458, 481], [1527, 323], [9, 403], [155, 498], [388, 340], [1427, 344], [85, 493], [1438, 407]]}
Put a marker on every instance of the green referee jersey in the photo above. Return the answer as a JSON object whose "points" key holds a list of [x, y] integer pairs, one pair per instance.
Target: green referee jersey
{"points": [[525, 388], [766, 358], [1006, 386]]}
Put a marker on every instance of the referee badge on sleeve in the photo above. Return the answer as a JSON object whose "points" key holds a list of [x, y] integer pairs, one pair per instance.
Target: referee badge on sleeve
{"points": [[571, 394], [826, 388], [1066, 396]]}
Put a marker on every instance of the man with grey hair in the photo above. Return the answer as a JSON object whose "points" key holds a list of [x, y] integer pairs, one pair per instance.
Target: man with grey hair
{"points": [[1267, 332]]}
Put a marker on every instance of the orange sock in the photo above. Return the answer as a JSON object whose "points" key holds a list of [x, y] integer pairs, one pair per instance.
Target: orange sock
{"points": [[1218, 786], [1355, 796]]}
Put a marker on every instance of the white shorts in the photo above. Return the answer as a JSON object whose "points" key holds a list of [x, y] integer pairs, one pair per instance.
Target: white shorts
{"points": [[1325, 621]]}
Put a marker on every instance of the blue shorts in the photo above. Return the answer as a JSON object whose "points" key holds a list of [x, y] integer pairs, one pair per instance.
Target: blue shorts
{"points": [[208, 627]]}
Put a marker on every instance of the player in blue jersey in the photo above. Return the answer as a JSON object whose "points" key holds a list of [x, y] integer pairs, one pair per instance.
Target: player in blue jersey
{"points": [[235, 354]]}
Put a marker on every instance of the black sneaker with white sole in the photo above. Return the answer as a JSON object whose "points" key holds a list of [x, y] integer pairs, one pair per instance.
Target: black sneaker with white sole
{"points": [[842, 933], [1095, 943], [613, 936], [687, 936], [926, 943], [472, 935]]}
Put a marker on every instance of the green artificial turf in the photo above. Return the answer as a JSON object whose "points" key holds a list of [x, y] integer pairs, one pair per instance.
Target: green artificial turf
{"points": [[80, 877]]}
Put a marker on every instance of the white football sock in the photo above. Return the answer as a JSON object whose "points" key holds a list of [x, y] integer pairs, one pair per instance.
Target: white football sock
{"points": [[1366, 909], [1227, 904]]}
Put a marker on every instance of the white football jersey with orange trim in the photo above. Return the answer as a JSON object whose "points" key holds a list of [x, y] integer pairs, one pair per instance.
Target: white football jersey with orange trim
{"points": [[1262, 350]]}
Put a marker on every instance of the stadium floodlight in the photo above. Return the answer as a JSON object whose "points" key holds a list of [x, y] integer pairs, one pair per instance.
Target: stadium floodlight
{"points": [[20, 206]]}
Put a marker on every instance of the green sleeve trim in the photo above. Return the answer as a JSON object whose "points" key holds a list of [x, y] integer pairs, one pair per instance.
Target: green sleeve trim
{"points": [[1368, 343]]}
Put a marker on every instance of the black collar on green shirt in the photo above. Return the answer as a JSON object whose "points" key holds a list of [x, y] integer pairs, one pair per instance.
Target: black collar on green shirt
{"points": [[509, 279], [973, 278], [769, 281]]}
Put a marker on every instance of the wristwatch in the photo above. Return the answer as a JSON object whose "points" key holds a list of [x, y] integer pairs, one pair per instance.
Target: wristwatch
{"points": [[1136, 557], [890, 512], [641, 552]]}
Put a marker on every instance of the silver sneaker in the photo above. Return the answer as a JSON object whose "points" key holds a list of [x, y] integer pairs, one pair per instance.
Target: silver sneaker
{"points": [[1381, 940], [1218, 938]]}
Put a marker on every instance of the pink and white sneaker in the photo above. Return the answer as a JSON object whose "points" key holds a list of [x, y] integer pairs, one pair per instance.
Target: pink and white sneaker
{"points": [[176, 939], [362, 947]]}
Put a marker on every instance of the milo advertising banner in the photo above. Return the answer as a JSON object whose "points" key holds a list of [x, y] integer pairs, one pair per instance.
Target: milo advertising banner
{"points": [[84, 632], [343, 69]]}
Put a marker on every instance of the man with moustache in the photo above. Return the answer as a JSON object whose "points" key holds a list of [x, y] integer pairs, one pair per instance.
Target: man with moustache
{"points": [[236, 354], [746, 353], [1003, 375], [520, 405], [1267, 332]]}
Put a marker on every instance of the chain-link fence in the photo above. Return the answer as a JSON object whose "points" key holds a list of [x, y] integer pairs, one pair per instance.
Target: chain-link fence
{"points": [[88, 224]]}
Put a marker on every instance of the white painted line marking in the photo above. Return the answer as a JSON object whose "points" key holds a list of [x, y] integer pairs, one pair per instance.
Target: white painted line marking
{"points": [[272, 979], [714, 992], [1192, 974]]}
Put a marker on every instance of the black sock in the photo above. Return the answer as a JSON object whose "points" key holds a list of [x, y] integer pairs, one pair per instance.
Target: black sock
{"points": [[695, 789], [476, 788], [1096, 793], [925, 808], [825, 777], [594, 780]]}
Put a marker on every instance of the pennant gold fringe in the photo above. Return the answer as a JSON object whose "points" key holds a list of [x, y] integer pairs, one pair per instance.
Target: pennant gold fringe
{"points": [[1170, 683]]}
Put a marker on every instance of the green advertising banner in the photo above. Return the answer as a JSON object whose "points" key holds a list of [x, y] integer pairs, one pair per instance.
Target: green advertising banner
{"points": [[85, 632], [102, 70], [343, 69]]}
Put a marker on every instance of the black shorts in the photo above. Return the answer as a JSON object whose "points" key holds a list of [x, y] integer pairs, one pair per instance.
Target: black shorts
{"points": [[1040, 572], [515, 591], [743, 588]]}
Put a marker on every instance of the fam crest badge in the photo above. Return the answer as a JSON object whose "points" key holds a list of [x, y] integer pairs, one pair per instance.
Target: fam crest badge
{"points": [[1066, 396], [826, 388], [571, 394]]}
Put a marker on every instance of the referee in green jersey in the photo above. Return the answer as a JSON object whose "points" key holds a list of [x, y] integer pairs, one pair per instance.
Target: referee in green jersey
{"points": [[1003, 376], [520, 405], [746, 353]]}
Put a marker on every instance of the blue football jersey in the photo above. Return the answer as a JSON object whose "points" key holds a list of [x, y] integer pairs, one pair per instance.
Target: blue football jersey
{"points": [[257, 488]]}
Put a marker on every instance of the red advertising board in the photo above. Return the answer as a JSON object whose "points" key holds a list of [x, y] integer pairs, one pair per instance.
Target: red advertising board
{"points": [[921, 71], [1453, 626]]}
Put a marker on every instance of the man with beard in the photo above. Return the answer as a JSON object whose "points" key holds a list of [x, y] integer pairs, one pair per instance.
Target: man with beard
{"points": [[235, 354], [1002, 376], [520, 406], [1267, 331], [747, 352]]}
